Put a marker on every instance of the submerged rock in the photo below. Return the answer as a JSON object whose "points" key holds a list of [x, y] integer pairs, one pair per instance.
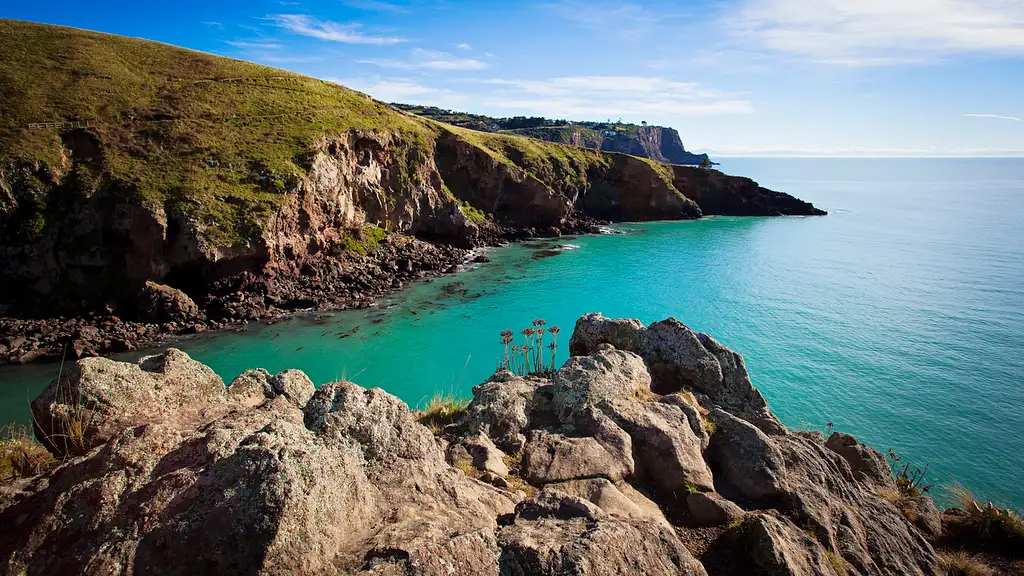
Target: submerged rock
{"points": [[588, 472]]}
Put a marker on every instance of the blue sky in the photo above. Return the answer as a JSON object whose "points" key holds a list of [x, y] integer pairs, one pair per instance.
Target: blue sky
{"points": [[736, 77]]}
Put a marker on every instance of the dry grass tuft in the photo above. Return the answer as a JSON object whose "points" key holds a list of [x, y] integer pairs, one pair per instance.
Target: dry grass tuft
{"points": [[441, 411], [645, 395], [963, 564], [839, 564], [21, 455], [991, 524], [903, 502]]}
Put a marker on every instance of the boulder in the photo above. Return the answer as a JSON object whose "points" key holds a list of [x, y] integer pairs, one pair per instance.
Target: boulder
{"points": [[750, 466], [502, 408], [594, 329], [618, 499], [555, 534], [868, 464], [160, 304], [778, 548], [710, 509], [553, 457], [97, 398], [590, 380], [481, 453], [667, 450]]}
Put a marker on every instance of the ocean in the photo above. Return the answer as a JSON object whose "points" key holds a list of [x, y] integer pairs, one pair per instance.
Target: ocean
{"points": [[898, 318]]}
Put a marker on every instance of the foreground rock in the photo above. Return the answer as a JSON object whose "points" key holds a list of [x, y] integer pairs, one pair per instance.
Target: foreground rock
{"points": [[589, 472]]}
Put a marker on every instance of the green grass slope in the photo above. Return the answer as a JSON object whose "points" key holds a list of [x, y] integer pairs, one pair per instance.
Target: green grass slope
{"points": [[222, 135]]}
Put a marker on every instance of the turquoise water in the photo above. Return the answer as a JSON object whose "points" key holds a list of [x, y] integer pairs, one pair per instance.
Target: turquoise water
{"points": [[899, 317]]}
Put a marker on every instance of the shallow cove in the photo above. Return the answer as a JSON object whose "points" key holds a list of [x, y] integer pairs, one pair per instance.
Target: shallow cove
{"points": [[899, 317]]}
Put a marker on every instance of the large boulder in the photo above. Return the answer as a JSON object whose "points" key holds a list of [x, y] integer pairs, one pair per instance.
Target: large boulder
{"points": [[669, 453], [681, 359], [868, 464], [97, 398], [351, 485], [554, 534]]}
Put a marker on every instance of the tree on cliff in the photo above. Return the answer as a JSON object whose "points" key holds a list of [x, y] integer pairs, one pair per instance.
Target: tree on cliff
{"points": [[706, 163]]}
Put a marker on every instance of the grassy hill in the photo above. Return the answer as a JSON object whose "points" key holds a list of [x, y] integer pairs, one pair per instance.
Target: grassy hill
{"points": [[177, 125]]}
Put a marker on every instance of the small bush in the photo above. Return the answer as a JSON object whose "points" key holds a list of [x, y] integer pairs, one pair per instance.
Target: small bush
{"points": [[909, 481], [475, 216], [995, 528], [442, 410], [363, 241], [21, 455], [963, 564]]}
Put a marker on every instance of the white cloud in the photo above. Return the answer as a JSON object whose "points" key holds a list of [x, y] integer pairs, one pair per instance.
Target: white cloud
{"points": [[421, 59], [394, 89], [878, 32], [1000, 117], [256, 45], [463, 46], [597, 97], [331, 31]]}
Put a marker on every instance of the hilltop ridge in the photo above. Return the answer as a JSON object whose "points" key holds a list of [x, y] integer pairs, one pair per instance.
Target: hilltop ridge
{"points": [[658, 143]]}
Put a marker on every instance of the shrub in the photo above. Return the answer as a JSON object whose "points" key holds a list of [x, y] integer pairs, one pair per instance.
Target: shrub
{"points": [[994, 528], [21, 455], [475, 216], [963, 564], [909, 482]]}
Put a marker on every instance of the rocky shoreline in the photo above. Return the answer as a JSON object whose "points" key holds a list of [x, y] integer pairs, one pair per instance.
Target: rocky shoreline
{"points": [[648, 452], [334, 283]]}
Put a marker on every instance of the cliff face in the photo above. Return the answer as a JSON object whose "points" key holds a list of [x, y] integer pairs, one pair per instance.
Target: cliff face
{"points": [[220, 179], [648, 452], [655, 142]]}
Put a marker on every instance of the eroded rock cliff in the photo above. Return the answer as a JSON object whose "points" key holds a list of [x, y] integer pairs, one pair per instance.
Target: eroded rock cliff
{"points": [[648, 452], [254, 191]]}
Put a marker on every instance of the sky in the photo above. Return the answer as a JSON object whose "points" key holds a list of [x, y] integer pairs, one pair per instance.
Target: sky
{"points": [[735, 77]]}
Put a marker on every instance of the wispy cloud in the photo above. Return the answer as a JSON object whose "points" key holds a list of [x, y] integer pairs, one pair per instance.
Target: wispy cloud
{"points": [[214, 24], [595, 97], [463, 46], [253, 45], [331, 31], [881, 32], [606, 17], [421, 59], [396, 90], [997, 116], [377, 6]]}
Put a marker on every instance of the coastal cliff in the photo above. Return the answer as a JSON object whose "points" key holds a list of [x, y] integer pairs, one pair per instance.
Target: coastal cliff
{"points": [[648, 452], [149, 190], [659, 143]]}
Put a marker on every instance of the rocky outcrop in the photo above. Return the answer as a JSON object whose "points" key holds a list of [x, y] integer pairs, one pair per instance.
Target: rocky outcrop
{"points": [[586, 472]]}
